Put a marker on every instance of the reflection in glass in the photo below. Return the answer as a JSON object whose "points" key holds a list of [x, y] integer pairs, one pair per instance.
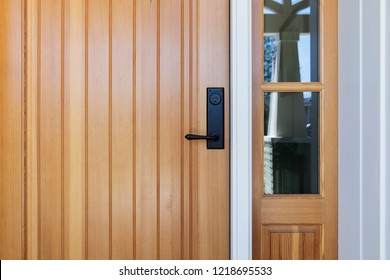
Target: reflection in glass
{"points": [[291, 147], [291, 41]]}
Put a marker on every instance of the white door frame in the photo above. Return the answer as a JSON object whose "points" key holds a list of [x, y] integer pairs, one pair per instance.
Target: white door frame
{"points": [[241, 129], [364, 129]]}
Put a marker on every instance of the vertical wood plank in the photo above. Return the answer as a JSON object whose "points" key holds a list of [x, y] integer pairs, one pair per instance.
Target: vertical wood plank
{"points": [[171, 135], [213, 191], [146, 130], [122, 129], [74, 129], [134, 89], [257, 127], [291, 242], [32, 131], [98, 130], [307, 249], [50, 123], [185, 115], [193, 127], [282, 246], [11, 146], [121, 182], [330, 129]]}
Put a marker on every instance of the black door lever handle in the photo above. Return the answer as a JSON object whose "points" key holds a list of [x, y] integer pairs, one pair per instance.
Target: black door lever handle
{"points": [[215, 134], [201, 137]]}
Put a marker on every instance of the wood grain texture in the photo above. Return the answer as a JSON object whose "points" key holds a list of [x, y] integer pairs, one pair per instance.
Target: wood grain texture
{"points": [[98, 105], [146, 130], [292, 87], [113, 87], [330, 127], [32, 131], [186, 156], [291, 242], [50, 184], [11, 131], [122, 129], [298, 210], [257, 126], [74, 129], [193, 85], [170, 137], [213, 192]]}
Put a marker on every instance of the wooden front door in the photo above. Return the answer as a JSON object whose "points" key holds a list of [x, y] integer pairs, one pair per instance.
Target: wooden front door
{"points": [[112, 87], [295, 129]]}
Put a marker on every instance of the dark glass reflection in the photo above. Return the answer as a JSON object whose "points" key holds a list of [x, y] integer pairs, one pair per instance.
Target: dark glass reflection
{"points": [[291, 146], [291, 41]]}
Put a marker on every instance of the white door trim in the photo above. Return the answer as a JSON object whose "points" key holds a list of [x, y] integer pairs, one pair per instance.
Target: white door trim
{"points": [[241, 129], [364, 129]]}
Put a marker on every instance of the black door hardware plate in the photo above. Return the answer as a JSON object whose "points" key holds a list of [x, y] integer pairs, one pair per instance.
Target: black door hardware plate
{"points": [[215, 117]]}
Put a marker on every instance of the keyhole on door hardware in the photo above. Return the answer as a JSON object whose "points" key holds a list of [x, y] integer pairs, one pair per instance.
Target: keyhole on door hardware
{"points": [[215, 99]]}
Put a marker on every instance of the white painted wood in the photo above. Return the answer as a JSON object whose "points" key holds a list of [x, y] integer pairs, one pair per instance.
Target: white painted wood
{"points": [[241, 129], [387, 118], [363, 138], [383, 122], [387, 135], [371, 129], [349, 128]]}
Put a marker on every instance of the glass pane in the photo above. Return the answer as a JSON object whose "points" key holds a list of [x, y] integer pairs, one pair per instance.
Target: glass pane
{"points": [[291, 146], [291, 41]]}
